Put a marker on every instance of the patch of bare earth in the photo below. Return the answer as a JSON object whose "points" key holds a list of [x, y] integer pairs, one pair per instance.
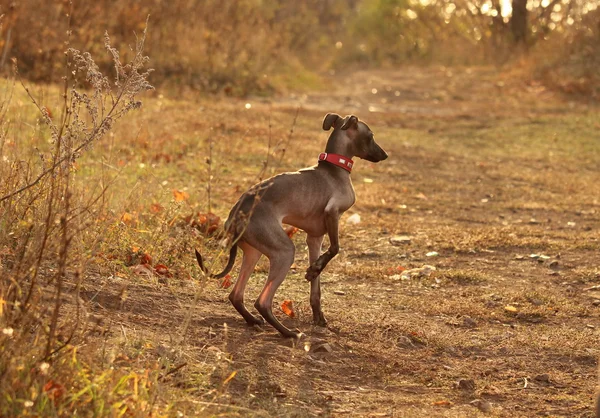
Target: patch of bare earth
{"points": [[491, 181]]}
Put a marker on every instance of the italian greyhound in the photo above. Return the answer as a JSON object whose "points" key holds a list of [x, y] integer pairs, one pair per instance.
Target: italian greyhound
{"points": [[311, 199]]}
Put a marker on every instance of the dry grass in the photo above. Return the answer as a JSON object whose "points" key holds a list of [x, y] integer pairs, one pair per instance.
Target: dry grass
{"points": [[482, 170]]}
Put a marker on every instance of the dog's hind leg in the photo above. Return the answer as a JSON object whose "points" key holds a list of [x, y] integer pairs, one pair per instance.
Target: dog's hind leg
{"points": [[280, 263], [266, 234], [249, 260]]}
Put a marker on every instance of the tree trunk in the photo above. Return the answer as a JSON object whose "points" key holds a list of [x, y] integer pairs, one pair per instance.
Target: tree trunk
{"points": [[518, 21]]}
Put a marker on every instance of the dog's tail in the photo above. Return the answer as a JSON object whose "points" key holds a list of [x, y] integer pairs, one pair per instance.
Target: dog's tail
{"points": [[228, 267]]}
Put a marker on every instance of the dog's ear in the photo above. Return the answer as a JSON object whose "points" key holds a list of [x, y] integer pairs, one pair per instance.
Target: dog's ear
{"points": [[330, 120], [350, 122]]}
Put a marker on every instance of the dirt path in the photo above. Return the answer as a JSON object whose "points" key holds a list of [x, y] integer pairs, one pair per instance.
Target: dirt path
{"points": [[488, 191]]}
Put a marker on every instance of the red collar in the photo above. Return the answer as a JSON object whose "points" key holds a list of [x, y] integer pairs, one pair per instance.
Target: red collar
{"points": [[337, 159]]}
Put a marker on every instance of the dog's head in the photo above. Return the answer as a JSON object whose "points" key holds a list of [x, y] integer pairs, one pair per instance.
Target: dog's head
{"points": [[357, 135]]}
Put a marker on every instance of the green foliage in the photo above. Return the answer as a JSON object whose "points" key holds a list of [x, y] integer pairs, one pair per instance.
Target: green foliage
{"points": [[383, 32]]}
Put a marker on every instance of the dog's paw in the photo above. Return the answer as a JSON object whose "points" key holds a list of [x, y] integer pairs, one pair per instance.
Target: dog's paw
{"points": [[319, 320], [255, 321], [295, 334]]}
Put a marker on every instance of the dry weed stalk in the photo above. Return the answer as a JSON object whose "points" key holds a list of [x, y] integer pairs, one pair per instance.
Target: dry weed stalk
{"points": [[285, 143], [597, 395], [209, 163], [44, 218], [74, 135]]}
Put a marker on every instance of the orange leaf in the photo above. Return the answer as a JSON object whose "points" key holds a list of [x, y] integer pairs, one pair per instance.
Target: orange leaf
{"points": [[207, 223], [398, 269], [226, 282], [127, 218], [443, 402], [180, 195], [162, 270], [288, 308], [146, 259], [54, 390], [290, 231], [156, 208]]}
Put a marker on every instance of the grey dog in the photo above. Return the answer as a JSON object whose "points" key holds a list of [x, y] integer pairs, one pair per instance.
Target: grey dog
{"points": [[311, 199]]}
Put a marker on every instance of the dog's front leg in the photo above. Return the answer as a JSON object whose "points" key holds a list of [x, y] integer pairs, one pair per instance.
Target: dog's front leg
{"points": [[314, 251], [332, 219]]}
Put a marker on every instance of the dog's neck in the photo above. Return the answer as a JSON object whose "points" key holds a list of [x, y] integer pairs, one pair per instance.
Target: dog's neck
{"points": [[339, 143]]}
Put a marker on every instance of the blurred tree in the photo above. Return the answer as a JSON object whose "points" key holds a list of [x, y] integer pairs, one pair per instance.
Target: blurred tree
{"points": [[519, 21]]}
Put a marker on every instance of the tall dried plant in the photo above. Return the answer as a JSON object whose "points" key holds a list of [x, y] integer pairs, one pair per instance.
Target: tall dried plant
{"points": [[44, 218]]}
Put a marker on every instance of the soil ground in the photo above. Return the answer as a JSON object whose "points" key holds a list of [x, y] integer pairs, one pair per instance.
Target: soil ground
{"points": [[494, 182]]}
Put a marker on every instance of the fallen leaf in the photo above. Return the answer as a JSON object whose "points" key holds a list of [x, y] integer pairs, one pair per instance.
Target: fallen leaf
{"points": [[288, 308], [444, 402], [393, 271], [143, 269], [146, 259], [206, 223], [180, 195], [53, 390], [162, 270], [127, 218], [156, 208], [226, 282], [291, 230], [510, 308]]}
